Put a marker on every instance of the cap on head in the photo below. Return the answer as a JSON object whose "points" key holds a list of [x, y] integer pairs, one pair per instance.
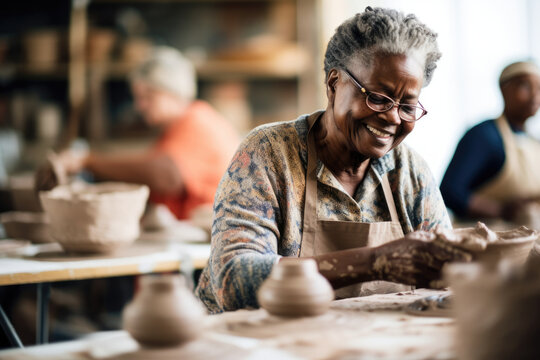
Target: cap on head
{"points": [[167, 69], [518, 68]]}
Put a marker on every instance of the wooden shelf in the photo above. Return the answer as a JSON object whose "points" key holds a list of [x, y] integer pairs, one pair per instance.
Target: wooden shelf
{"points": [[185, 1], [211, 70], [35, 71]]}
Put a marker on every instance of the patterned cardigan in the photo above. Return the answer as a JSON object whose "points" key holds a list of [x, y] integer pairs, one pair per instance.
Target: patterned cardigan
{"points": [[259, 208]]}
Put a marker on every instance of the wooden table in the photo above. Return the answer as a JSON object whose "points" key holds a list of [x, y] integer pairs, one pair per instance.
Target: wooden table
{"points": [[44, 264], [372, 327], [140, 258]]}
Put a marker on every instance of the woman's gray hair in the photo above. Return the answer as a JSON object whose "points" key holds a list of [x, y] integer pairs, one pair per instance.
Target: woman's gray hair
{"points": [[382, 31], [167, 69]]}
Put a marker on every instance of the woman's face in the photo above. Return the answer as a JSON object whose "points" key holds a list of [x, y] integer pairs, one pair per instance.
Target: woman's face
{"points": [[361, 130], [158, 107]]}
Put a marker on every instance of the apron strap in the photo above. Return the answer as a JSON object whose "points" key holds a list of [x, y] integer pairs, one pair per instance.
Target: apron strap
{"points": [[310, 206], [389, 198]]}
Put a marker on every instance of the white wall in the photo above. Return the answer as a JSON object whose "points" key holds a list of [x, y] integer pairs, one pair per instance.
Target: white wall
{"points": [[477, 39]]}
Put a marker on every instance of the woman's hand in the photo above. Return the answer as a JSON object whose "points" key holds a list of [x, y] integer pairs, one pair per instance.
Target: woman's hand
{"points": [[414, 261]]}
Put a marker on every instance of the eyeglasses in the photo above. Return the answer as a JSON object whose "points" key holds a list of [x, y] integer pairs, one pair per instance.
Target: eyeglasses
{"points": [[381, 103]]}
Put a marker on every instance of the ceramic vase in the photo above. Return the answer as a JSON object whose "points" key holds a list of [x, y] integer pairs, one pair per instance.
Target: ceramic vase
{"points": [[164, 312], [295, 288]]}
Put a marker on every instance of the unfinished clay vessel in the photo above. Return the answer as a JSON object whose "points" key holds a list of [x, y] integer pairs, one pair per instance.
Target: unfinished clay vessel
{"points": [[164, 312], [496, 311], [295, 288], [490, 247], [95, 218], [26, 225], [512, 245]]}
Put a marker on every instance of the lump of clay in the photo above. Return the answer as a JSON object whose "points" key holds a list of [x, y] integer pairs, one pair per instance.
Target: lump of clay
{"points": [[295, 288]]}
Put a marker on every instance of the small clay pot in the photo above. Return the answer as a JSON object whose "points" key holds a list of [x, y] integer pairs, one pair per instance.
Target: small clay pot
{"points": [[164, 312], [295, 288]]}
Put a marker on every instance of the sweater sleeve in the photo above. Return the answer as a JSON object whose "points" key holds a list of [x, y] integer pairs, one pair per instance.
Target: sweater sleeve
{"points": [[478, 158], [245, 232]]}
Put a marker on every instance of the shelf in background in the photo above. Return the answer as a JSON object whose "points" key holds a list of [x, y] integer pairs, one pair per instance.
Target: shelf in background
{"points": [[210, 70]]}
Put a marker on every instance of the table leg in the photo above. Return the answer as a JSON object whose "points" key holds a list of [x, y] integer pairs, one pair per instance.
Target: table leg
{"points": [[187, 270], [42, 318], [9, 329]]}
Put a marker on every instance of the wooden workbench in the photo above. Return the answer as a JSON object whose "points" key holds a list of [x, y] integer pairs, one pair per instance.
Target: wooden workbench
{"points": [[372, 327]]}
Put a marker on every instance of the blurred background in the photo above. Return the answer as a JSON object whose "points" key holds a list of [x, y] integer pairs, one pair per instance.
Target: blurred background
{"points": [[64, 66]]}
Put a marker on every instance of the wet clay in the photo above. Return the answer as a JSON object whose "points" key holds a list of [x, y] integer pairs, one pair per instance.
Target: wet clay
{"points": [[295, 288], [491, 246], [164, 312], [95, 218]]}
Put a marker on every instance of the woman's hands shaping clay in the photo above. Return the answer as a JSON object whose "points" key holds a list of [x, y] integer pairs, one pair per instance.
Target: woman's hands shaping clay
{"points": [[417, 259]]}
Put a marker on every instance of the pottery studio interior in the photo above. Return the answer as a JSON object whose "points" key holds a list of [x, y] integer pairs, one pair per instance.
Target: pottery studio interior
{"points": [[269, 179]]}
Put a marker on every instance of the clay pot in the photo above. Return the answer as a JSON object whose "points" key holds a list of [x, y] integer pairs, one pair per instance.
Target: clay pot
{"points": [[512, 246], [164, 312], [496, 311], [135, 50], [100, 44], [95, 218], [42, 48], [23, 195], [31, 226], [295, 288]]}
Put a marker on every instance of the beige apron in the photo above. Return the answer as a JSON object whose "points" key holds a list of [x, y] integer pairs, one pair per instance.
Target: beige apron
{"points": [[520, 175], [324, 236]]}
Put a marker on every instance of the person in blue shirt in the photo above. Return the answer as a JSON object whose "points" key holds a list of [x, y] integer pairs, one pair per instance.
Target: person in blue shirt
{"points": [[495, 168]]}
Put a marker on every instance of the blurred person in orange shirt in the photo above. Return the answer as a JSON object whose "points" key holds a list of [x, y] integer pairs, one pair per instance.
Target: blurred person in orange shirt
{"points": [[183, 168]]}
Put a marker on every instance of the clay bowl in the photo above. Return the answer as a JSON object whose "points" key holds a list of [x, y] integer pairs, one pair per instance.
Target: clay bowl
{"points": [[24, 225], [95, 218], [295, 288], [513, 246]]}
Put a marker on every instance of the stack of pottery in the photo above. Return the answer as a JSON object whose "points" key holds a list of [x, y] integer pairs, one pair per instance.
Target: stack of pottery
{"points": [[295, 288], [164, 312], [95, 218]]}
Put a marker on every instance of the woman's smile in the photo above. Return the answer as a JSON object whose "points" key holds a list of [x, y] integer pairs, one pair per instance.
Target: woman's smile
{"points": [[379, 134]]}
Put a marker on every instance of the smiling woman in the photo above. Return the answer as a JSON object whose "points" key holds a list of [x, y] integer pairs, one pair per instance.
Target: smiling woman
{"points": [[338, 185]]}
